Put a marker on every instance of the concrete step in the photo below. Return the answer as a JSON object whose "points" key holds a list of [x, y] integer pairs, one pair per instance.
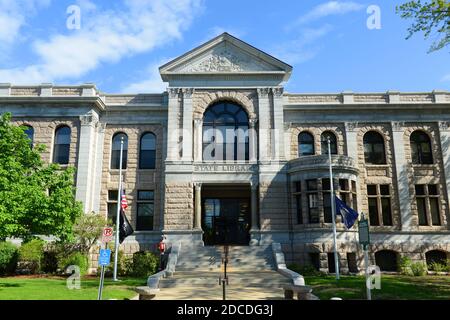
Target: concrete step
{"points": [[262, 279]]}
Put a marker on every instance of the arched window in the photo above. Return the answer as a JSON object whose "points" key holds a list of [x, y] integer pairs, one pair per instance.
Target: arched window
{"points": [[61, 148], [225, 132], [324, 142], [374, 152], [386, 260], [305, 144], [29, 131], [147, 151], [421, 148], [435, 256], [115, 151]]}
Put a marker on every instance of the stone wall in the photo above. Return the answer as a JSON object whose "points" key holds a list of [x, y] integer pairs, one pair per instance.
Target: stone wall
{"points": [[44, 133], [316, 130], [179, 206], [427, 174], [134, 178]]}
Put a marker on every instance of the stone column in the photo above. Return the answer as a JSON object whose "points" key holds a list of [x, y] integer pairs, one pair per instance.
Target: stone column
{"points": [[187, 124], [198, 206], [254, 207], [86, 160], [351, 137], [264, 124], [278, 121], [172, 125], [252, 139], [198, 140], [98, 166], [401, 170], [444, 134]]}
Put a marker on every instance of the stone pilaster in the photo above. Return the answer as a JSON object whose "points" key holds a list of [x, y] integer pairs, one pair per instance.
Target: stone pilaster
{"points": [[254, 206], [253, 140], [86, 160], [401, 170], [172, 125], [198, 140], [198, 207], [351, 139], [444, 134], [264, 124], [100, 129], [187, 124], [278, 121]]}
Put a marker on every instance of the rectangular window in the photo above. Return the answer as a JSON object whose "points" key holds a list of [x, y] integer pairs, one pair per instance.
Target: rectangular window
{"points": [[313, 201], [314, 257], [352, 263], [145, 210], [112, 205], [331, 263], [373, 212], [299, 209], [380, 208], [422, 211], [427, 200]]}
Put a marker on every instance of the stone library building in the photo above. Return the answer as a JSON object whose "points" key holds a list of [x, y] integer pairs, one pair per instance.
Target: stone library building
{"points": [[226, 156]]}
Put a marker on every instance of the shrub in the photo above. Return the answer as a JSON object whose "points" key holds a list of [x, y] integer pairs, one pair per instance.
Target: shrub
{"points": [[418, 269], [50, 261], [144, 264], [305, 270], [438, 267], [123, 265], [405, 266], [78, 259], [30, 256], [9, 255]]}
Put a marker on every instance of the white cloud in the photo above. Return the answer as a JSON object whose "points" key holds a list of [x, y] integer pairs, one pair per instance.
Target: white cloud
{"points": [[13, 17], [152, 81], [106, 37], [326, 9], [446, 78], [302, 48]]}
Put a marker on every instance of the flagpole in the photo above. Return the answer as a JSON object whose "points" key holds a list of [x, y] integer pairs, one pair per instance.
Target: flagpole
{"points": [[333, 212], [119, 206]]}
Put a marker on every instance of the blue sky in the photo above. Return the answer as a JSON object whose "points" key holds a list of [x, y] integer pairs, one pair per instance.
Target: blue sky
{"points": [[120, 44]]}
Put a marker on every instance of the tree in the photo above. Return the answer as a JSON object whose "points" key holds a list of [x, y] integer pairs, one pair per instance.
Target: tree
{"points": [[433, 16], [35, 198], [87, 230]]}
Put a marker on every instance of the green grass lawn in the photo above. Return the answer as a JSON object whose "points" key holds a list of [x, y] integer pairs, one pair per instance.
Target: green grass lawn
{"points": [[392, 287], [54, 288]]}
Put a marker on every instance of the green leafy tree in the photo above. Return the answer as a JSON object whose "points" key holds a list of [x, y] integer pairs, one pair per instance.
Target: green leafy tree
{"points": [[35, 198], [431, 18], [87, 230]]}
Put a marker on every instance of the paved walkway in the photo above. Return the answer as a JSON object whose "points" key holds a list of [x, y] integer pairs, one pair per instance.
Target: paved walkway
{"points": [[258, 285]]}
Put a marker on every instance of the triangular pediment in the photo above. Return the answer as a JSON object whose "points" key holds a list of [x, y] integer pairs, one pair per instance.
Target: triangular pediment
{"points": [[225, 55]]}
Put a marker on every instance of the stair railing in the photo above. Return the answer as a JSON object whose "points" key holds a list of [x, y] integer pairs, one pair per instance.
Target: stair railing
{"points": [[224, 281]]}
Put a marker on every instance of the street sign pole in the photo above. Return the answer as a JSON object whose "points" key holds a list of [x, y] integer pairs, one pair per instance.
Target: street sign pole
{"points": [[102, 278], [364, 240], [104, 257], [366, 266]]}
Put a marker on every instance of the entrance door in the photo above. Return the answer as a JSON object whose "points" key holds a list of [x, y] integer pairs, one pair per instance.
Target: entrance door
{"points": [[226, 221]]}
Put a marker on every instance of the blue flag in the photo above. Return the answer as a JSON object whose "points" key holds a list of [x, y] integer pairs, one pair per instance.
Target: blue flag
{"points": [[349, 216]]}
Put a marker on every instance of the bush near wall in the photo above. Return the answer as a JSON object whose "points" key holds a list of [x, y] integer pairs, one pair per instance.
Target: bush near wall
{"points": [[74, 259], [30, 256], [9, 255]]}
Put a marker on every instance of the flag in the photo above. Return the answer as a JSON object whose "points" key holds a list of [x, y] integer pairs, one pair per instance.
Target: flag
{"points": [[349, 216], [123, 200], [125, 228]]}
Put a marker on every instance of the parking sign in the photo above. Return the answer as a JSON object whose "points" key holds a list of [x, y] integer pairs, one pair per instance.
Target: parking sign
{"points": [[104, 258], [107, 234]]}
